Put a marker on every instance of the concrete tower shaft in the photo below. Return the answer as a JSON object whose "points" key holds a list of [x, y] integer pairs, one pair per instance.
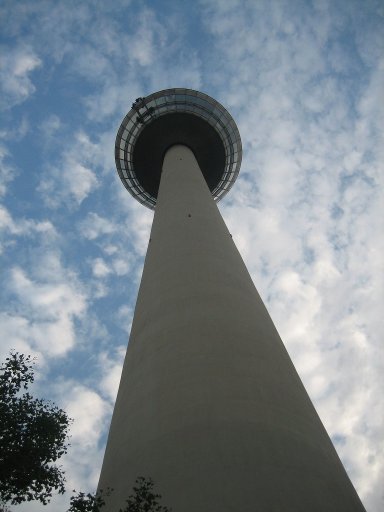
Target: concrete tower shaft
{"points": [[210, 405]]}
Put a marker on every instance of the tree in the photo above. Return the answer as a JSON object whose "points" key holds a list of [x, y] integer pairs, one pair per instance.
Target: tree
{"points": [[87, 502], [33, 435], [142, 500]]}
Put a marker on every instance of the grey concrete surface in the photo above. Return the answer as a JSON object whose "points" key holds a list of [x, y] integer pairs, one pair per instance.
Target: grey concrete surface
{"points": [[210, 405]]}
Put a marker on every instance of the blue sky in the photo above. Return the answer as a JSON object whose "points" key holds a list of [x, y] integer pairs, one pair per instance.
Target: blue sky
{"points": [[304, 82]]}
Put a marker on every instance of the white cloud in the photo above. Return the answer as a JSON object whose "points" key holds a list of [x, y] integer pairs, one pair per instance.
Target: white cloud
{"points": [[94, 226], [15, 335], [74, 178], [50, 126], [121, 266], [49, 309], [72, 182], [110, 367], [99, 290], [145, 43], [118, 266], [27, 227], [12, 230], [88, 410], [7, 172], [81, 181], [100, 268], [125, 316], [152, 62], [138, 219], [6, 221], [90, 413], [15, 70], [110, 249]]}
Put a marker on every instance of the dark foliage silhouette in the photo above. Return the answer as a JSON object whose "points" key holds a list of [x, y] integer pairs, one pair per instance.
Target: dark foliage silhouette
{"points": [[143, 499], [33, 436]]}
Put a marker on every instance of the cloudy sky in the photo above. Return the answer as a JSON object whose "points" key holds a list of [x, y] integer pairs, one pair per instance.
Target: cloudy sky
{"points": [[304, 81]]}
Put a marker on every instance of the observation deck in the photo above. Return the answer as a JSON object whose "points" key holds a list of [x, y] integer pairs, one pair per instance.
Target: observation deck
{"points": [[176, 116]]}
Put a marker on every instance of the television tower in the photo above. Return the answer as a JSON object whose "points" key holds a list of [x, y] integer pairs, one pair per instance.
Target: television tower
{"points": [[210, 405]]}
